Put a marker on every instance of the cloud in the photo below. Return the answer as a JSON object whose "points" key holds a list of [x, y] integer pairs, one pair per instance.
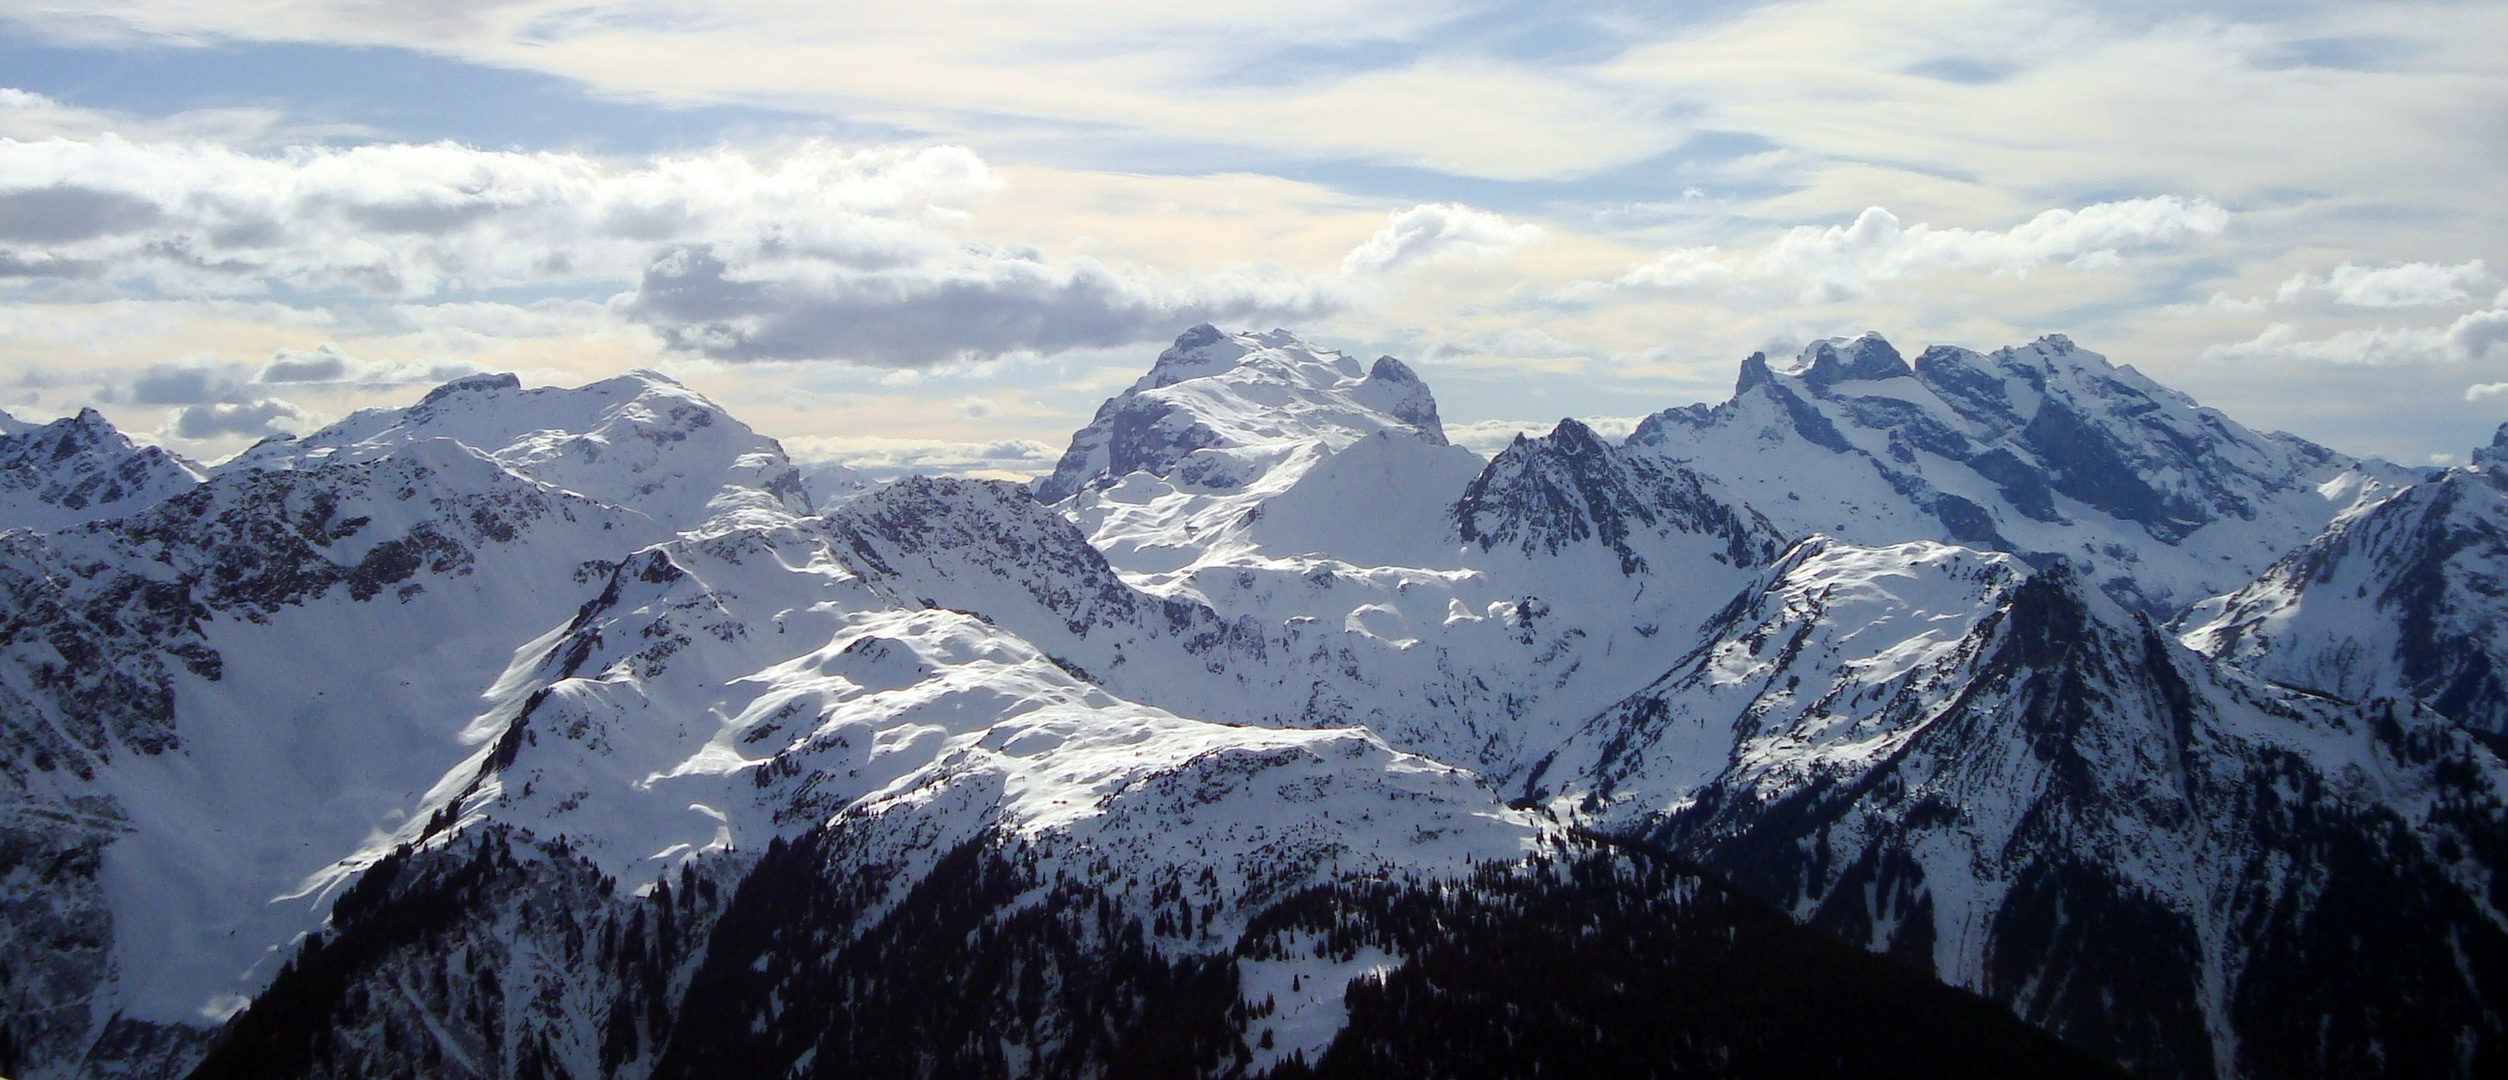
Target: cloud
{"points": [[817, 253], [321, 364], [260, 416], [1680, 268], [325, 366], [1840, 262], [1431, 232], [2417, 284], [62, 213], [2485, 391], [395, 220], [184, 383], [968, 304], [2474, 336]]}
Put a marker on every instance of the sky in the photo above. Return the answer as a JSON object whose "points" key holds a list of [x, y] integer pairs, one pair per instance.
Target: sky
{"points": [[934, 236]]}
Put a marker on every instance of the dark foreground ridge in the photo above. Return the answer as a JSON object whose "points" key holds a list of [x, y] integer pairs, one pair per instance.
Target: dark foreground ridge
{"points": [[1591, 960]]}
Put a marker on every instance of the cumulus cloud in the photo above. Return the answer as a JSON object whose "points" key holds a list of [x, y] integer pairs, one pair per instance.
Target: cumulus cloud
{"points": [[1431, 232], [185, 383], [819, 253], [1840, 262], [408, 220], [325, 365], [322, 363], [964, 304], [2476, 335], [262, 416], [2417, 284]]}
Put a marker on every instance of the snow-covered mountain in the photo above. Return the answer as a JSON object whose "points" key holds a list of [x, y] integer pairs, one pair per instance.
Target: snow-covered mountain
{"points": [[221, 693], [2399, 599], [2000, 774], [78, 469], [1179, 467], [639, 441], [535, 733], [2040, 450]]}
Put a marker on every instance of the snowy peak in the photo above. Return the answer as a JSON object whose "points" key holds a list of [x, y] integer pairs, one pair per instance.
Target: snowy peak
{"points": [[2045, 449], [639, 440], [1218, 411], [1826, 363], [1545, 496], [79, 469]]}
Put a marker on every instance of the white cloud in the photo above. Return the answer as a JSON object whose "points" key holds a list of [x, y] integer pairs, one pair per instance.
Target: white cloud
{"points": [[1841, 261], [1680, 268], [2416, 284], [407, 220], [2485, 391], [1432, 232], [2221, 303], [2473, 336]]}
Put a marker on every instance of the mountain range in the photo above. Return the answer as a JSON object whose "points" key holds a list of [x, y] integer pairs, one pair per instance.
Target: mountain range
{"points": [[1977, 714]]}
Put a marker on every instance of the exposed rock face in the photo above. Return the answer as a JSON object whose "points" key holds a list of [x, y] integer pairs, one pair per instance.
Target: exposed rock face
{"points": [[1543, 496]]}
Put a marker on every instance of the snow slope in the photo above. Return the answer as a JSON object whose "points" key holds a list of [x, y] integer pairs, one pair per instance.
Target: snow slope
{"points": [[730, 693], [2399, 598]]}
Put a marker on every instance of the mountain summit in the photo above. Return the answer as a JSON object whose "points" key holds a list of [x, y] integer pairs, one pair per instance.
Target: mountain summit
{"points": [[1218, 410], [2044, 450]]}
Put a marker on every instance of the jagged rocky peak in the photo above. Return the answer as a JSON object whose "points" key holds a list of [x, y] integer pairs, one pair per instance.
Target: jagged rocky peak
{"points": [[2494, 455], [80, 468], [2044, 449], [1218, 410], [639, 440], [1546, 496]]}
